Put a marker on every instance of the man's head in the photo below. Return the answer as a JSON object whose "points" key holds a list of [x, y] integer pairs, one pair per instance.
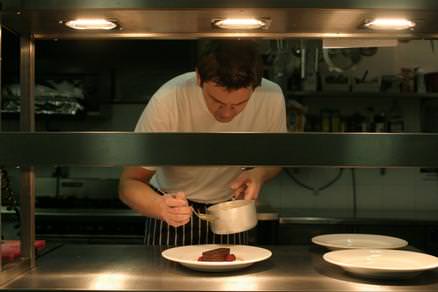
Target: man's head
{"points": [[228, 71]]}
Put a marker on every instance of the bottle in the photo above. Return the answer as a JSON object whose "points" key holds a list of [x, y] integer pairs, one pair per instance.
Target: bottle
{"points": [[295, 116], [369, 124], [335, 121], [356, 122], [343, 126], [380, 122], [419, 80], [325, 120], [395, 118]]}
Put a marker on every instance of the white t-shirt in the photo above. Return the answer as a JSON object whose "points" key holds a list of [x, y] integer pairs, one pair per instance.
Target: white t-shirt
{"points": [[179, 106]]}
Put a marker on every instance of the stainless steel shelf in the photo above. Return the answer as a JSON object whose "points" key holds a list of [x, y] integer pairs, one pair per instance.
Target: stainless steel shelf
{"points": [[362, 217], [137, 268], [240, 149], [354, 95], [135, 4], [192, 18]]}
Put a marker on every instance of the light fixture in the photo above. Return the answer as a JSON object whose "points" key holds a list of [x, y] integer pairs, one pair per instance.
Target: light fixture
{"points": [[240, 23], [390, 24], [91, 24]]}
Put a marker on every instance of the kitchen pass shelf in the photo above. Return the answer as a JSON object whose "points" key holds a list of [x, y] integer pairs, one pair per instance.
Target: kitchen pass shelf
{"points": [[362, 217], [349, 94]]}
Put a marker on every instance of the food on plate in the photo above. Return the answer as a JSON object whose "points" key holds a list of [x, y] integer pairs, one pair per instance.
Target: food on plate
{"points": [[221, 254]]}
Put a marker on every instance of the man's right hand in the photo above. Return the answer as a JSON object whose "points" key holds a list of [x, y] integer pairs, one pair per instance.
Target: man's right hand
{"points": [[175, 209]]}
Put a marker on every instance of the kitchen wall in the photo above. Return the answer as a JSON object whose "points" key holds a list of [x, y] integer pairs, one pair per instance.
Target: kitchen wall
{"points": [[408, 189], [393, 190]]}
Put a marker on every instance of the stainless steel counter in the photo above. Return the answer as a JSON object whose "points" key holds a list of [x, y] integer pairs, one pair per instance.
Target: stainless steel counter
{"points": [[141, 268], [347, 216]]}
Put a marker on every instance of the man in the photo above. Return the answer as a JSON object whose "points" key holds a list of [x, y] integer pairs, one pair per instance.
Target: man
{"points": [[226, 93]]}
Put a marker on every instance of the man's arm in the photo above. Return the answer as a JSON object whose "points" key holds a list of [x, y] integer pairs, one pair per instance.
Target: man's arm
{"points": [[135, 192]]}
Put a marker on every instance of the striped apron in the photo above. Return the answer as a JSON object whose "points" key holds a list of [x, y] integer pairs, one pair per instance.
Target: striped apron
{"points": [[197, 231]]}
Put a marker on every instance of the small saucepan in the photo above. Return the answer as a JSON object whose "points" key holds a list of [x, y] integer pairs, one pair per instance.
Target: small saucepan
{"points": [[230, 217]]}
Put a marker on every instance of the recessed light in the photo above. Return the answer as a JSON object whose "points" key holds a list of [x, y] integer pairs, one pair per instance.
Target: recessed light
{"points": [[390, 24], [91, 24], [240, 23]]}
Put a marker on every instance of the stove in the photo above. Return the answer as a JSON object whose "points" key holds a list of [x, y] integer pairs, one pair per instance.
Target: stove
{"points": [[90, 220]]}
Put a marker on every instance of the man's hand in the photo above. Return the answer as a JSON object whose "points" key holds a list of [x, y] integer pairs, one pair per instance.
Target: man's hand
{"points": [[175, 209], [248, 184]]}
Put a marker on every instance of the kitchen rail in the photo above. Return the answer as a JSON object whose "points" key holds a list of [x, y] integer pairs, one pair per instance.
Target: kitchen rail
{"points": [[141, 268], [238, 149]]}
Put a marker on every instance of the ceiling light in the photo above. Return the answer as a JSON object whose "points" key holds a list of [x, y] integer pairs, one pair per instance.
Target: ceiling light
{"points": [[91, 24], [240, 23], [390, 24]]}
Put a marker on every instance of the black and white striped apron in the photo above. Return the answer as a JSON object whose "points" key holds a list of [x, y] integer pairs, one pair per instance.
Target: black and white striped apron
{"points": [[197, 231]]}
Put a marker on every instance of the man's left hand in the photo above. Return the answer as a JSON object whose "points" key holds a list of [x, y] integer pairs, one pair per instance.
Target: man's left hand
{"points": [[248, 184]]}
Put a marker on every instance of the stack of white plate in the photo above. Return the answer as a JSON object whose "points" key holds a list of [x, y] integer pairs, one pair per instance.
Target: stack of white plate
{"points": [[374, 256]]}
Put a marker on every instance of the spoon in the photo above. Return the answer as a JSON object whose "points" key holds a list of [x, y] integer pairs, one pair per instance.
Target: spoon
{"points": [[202, 216]]}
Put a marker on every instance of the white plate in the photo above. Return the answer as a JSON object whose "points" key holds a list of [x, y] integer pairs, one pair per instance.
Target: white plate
{"points": [[188, 256], [382, 263], [354, 240]]}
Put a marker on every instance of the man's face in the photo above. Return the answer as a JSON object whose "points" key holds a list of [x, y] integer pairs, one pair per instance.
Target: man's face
{"points": [[224, 104]]}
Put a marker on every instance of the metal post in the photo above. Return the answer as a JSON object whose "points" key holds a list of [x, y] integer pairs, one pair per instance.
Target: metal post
{"points": [[1, 89], [27, 82], [1, 229], [1, 171], [27, 124]]}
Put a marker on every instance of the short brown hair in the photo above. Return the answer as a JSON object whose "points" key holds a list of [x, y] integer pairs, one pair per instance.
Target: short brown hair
{"points": [[232, 64]]}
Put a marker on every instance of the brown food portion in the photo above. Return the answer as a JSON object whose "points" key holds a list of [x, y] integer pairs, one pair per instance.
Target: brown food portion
{"points": [[221, 254], [217, 251]]}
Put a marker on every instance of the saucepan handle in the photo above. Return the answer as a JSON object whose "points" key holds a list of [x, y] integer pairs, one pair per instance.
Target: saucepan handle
{"points": [[203, 216]]}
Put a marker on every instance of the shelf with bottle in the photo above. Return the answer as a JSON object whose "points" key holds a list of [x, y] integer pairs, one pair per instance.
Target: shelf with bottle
{"points": [[369, 119], [350, 94]]}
